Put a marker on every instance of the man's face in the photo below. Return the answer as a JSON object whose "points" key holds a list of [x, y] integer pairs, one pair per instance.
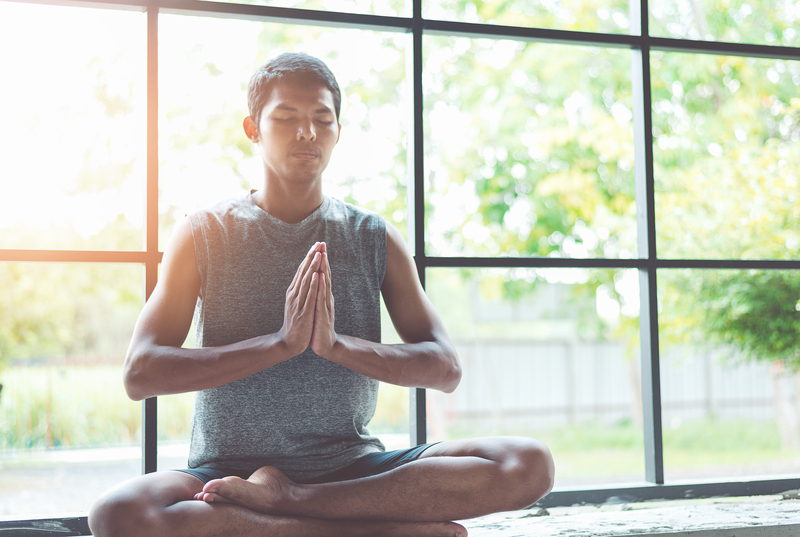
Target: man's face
{"points": [[297, 131]]}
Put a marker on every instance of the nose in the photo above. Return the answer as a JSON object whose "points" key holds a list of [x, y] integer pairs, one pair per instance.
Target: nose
{"points": [[306, 131]]}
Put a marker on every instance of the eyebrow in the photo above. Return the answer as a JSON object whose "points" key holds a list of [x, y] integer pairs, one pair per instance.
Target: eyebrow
{"points": [[287, 108]]}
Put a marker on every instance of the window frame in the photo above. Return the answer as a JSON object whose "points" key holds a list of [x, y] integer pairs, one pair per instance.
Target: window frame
{"points": [[647, 263]]}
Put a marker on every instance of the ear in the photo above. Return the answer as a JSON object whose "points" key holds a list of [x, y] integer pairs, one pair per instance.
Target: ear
{"points": [[250, 129], [339, 134]]}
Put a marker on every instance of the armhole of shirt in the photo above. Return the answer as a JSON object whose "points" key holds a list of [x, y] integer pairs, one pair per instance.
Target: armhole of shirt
{"points": [[381, 249], [200, 241]]}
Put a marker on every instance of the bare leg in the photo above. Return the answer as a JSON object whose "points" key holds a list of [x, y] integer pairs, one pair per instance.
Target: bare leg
{"points": [[162, 504], [451, 481]]}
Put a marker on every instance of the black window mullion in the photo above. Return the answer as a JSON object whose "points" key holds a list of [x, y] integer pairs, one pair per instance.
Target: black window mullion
{"points": [[418, 426], [646, 233], [149, 406]]}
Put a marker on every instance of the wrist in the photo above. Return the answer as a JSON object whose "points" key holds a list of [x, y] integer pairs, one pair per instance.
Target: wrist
{"points": [[338, 349], [284, 347]]}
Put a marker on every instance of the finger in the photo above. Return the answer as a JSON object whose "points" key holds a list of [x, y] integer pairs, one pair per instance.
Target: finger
{"points": [[308, 278], [321, 305], [303, 267], [328, 280], [325, 267], [313, 292], [326, 300], [330, 297]]}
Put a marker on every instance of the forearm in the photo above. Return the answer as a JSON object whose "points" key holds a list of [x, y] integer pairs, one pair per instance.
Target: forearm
{"points": [[151, 370], [427, 364]]}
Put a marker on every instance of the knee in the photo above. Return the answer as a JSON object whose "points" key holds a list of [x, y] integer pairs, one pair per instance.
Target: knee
{"points": [[120, 515], [530, 470]]}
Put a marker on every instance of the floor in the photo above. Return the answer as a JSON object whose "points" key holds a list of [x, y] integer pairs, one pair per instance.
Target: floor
{"points": [[765, 516], [31, 491]]}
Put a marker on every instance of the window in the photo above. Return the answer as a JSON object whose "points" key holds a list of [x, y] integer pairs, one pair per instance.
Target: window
{"points": [[600, 197]]}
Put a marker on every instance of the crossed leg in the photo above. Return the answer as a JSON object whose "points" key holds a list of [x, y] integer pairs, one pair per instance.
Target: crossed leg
{"points": [[451, 481], [162, 505]]}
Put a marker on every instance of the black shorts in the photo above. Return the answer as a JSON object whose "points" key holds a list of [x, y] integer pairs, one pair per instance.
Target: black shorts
{"points": [[371, 464]]}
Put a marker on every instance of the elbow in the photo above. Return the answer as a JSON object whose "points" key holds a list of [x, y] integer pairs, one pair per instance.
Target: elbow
{"points": [[452, 374], [133, 377]]}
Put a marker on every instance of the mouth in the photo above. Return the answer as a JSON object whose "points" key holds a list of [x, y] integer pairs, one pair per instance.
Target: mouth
{"points": [[305, 154]]}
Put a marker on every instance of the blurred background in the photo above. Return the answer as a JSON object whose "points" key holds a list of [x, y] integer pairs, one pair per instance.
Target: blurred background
{"points": [[529, 151]]}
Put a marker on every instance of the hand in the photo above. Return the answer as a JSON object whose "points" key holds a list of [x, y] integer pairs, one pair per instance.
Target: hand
{"points": [[301, 299], [323, 337]]}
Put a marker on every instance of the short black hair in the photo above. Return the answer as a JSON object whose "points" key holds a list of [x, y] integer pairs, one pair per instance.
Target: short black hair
{"points": [[294, 67]]}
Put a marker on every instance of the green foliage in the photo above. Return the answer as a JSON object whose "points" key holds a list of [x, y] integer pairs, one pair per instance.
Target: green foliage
{"points": [[529, 152], [610, 16], [727, 151], [554, 179], [755, 311], [45, 407], [747, 21], [80, 406], [67, 310]]}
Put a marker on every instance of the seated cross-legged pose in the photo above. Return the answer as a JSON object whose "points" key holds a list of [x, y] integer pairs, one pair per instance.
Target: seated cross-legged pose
{"points": [[285, 286]]}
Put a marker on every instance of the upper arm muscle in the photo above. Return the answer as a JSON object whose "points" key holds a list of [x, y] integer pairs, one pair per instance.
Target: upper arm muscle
{"points": [[167, 315], [412, 313]]}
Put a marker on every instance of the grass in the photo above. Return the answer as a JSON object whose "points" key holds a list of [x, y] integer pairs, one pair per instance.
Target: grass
{"points": [[701, 447], [86, 406], [78, 406]]}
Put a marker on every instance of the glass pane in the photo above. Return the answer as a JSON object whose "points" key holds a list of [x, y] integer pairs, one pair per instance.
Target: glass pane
{"points": [[205, 156], [72, 127], [727, 154], [390, 422], [67, 429], [729, 386], [607, 16], [174, 427], [768, 22], [547, 353], [374, 7], [529, 150]]}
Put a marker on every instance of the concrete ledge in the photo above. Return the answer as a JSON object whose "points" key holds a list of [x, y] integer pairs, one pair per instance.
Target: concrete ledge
{"points": [[743, 517], [771, 516]]}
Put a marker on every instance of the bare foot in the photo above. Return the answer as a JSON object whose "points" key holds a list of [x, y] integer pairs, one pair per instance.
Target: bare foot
{"points": [[267, 489], [262, 492]]}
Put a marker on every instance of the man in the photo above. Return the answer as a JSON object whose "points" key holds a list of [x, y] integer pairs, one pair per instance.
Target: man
{"points": [[287, 376]]}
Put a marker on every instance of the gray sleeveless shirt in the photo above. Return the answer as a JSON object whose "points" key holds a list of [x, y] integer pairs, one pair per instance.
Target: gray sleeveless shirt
{"points": [[307, 416]]}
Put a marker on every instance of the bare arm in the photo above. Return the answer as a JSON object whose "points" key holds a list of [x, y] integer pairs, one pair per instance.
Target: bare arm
{"points": [[157, 365], [426, 359]]}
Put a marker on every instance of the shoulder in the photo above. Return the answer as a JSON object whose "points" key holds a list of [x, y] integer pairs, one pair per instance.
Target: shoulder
{"points": [[180, 260], [240, 207], [353, 215]]}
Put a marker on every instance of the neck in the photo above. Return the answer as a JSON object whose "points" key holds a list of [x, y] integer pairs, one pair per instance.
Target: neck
{"points": [[289, 206]]}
